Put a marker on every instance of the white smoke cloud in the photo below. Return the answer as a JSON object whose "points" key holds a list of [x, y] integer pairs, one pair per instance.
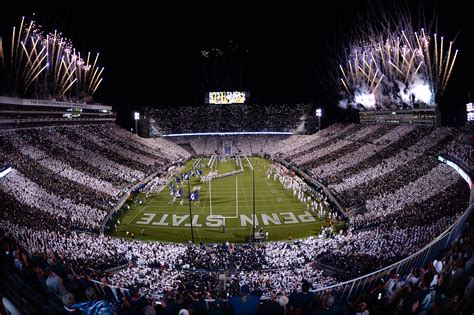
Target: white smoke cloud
{"points": [[422, 91], [418, 91], [365, 99], [362, 100], [403, 93], [343, 103]]}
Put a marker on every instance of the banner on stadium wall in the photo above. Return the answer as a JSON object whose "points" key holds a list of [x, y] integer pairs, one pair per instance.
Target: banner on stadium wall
{"points": [[31, 102]]}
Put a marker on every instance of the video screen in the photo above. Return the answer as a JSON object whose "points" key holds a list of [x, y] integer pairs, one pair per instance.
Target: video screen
{"points": [[226, 97], [470, 111]]}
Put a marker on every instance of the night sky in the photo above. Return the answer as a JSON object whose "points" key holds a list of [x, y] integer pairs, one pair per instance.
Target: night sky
{"points": [[152, 55]]}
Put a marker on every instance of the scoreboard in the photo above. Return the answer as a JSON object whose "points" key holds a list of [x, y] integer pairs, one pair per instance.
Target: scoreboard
{"points": [[235, 97], [470, 111]]}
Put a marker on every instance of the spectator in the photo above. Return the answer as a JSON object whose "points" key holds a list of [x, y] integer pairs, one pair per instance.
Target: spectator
{"points": [[246, 303], [94, 305]]}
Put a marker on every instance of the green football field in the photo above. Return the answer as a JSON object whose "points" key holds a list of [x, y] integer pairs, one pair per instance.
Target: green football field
{"points": [[224, 211]]}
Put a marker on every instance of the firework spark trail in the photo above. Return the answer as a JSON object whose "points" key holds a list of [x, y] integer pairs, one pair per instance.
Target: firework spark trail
{"points": [[96, 83], [419, 66], [49, 65], [450, 70], [94, 72]]}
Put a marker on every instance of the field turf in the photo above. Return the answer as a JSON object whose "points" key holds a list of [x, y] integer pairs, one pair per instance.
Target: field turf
{"points": [[224, 201]]}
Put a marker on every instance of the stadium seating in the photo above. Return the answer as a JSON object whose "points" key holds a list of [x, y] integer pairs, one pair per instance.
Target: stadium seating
{"points": [[65, 180]]}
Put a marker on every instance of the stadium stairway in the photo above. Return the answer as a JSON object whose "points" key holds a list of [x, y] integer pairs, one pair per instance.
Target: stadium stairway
{"points": [[355, 210], [188, 147]]}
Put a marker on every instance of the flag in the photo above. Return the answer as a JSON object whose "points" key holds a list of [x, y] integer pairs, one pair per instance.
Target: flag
{"points": [[179, 193], [194, 195]]}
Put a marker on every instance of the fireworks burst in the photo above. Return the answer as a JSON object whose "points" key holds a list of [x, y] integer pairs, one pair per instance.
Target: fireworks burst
{"points": [[395, 69], [48, 65]]}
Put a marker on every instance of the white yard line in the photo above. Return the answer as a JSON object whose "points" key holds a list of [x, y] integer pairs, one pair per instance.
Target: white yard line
{"points": [[138, 213], [250, 164], [236, 197]]}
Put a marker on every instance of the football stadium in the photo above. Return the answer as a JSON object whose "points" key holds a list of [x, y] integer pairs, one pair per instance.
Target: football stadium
{"points": [[307, 162]]}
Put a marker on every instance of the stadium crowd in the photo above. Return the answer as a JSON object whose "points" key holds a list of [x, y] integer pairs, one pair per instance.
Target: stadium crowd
{"points": [[443, 285], [51, 194], [463, 148], [224, 118]]}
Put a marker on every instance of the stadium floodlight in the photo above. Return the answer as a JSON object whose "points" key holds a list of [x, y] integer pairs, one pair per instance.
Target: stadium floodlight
{"points": [[136, 115], [319, 113]]}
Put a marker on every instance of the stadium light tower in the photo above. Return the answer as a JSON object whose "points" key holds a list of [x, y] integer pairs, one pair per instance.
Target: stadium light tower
{"points": [[319, 113], [136, 115]]}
